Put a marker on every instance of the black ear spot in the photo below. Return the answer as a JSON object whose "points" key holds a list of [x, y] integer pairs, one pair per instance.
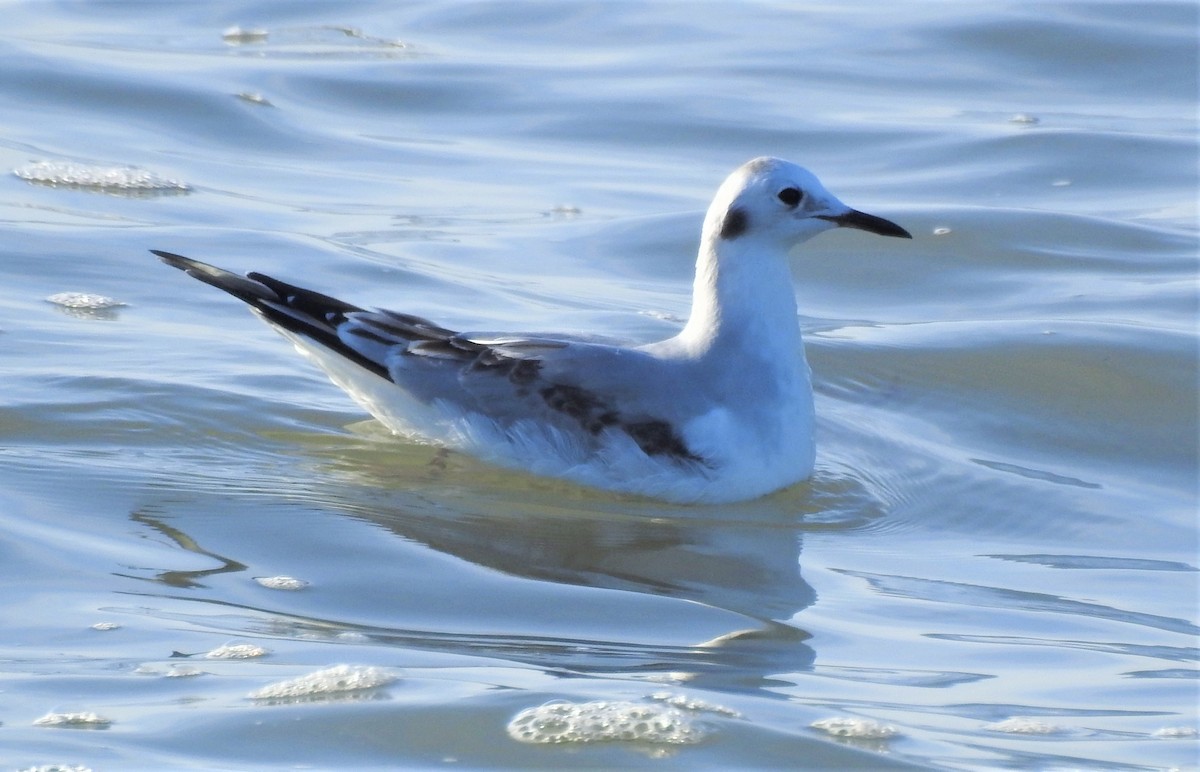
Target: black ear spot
{"points": [[734, 224], [791, 197]]}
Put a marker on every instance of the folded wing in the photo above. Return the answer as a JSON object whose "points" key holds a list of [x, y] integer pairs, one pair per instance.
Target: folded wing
{"points": [[506, 378]]}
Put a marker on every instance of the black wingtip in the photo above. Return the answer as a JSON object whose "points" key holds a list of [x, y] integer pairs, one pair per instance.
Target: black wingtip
{"points": [[240, 287], [192, 267], [288, 307], [173, 260]]}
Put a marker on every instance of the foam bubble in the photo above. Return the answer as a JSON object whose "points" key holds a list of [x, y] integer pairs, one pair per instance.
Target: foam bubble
{"points": [[237, 35], [84, 301], [605, 721], [281, 582], [683, 702], [173, 671], [859, 728], [255, 98], [237, 651], [82, 719], [334, 680], [1024, 726], [104, 627], [108, 178]]}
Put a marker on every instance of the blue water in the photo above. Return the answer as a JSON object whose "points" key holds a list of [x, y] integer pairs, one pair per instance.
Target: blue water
{"points": [[1003, 522]]}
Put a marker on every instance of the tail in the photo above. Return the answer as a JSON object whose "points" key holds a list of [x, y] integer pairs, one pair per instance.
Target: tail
{"points": [[295, 309]]}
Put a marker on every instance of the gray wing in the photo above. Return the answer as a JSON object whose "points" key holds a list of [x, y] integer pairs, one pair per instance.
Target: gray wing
{"points": [[574, 383], [579, 384]]}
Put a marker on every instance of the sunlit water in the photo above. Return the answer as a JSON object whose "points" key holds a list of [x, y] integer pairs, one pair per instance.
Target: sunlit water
{"points": [[210, 558]]}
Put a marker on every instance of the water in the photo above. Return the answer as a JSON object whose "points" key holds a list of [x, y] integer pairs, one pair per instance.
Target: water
{"points": [[995, 565]]}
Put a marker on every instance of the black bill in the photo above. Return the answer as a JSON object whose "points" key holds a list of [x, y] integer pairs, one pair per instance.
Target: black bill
{"points": [[867, 222]]}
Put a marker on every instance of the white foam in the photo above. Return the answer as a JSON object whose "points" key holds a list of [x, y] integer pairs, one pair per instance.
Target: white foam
{"points": [[82, 719], [1024, 726], [605, 721], [281, 582], [237, 35], [113, 178], [335, 680], [859, 728], [237, 651], [172, 671], [683, 702], [253, 97], [57, 768], [85, 301], [1175, 732], [104, 627]]}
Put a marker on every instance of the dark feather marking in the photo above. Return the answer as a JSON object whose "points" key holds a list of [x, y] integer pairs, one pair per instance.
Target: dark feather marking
{"points": [[734, 224], [524, 371], [313, 303], [580, 404], [294, 320], [658, 438], [314, 315], [654, 437], [467, 345], [521, 373], [480, 357]]}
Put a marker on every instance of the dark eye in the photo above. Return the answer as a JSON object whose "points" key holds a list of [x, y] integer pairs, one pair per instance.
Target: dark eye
{"points": [[791, 196]]}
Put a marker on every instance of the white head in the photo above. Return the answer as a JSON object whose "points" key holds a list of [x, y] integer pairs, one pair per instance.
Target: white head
{"points": [[743, 292], [777, 202]]}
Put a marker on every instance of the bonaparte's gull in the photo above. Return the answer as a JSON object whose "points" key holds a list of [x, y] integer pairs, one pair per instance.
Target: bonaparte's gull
{"points": [[721, 412]]}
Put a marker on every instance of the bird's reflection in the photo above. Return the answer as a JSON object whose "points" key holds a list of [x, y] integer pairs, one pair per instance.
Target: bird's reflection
{"points": [[747, 568], [178, 578], [744, 560]]}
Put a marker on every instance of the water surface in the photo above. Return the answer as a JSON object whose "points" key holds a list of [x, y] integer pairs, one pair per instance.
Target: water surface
{"points": [[996, 558]]}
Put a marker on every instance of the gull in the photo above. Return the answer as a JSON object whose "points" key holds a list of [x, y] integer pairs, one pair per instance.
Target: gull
{"points": [[719, 413]]}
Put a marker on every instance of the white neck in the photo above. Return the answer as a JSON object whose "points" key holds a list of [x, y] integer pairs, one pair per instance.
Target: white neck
{"points": [[743, 303]]}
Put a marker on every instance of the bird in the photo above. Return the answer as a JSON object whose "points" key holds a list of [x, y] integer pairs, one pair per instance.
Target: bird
{"points": [[719, 413]]}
